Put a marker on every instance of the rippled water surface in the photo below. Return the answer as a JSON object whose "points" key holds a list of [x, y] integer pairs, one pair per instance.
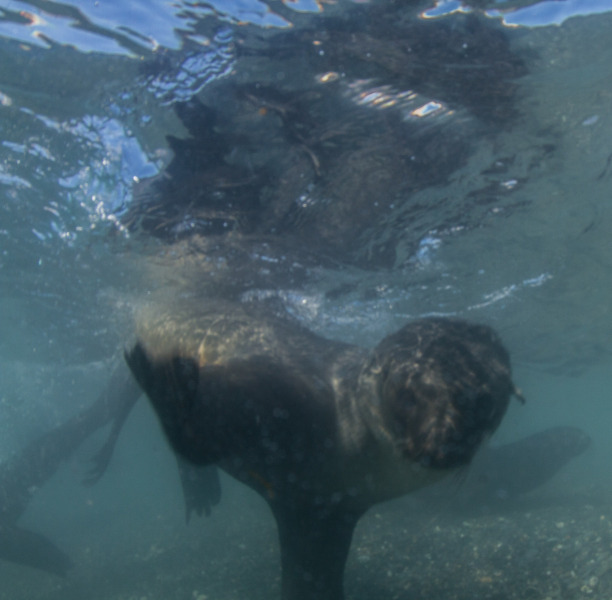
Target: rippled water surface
{"points": [[364, 163]]}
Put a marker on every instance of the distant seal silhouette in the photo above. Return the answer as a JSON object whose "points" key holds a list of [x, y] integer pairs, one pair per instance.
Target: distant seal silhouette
{"points": [[510, 470], [322, 430], [27, 470]]}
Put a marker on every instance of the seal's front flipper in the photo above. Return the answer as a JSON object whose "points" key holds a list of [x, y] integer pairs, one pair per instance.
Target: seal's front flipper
{"points": [[314, 546], [172, 386], [201, 487], [33, 550]]}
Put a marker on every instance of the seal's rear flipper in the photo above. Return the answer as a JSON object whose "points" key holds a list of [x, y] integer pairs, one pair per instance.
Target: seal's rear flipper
{"points": [[33, 550], [314, 546]]}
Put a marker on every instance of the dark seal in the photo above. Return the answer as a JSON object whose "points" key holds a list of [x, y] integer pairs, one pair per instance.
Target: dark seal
{"points": [[511, 470], [321, 429], [33, 465]]}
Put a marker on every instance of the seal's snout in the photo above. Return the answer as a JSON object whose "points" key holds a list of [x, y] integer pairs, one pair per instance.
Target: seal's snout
{"points": [[444, 386]]}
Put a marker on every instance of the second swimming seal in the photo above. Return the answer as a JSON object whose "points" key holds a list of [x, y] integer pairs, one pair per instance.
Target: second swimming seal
{"points": [[322, 430]]}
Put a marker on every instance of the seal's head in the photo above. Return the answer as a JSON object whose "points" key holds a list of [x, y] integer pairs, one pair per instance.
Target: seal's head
{"points": [[437, 388]]}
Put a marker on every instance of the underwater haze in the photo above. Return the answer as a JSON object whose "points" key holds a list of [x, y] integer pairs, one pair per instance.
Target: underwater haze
{"points": [[356, 165]]}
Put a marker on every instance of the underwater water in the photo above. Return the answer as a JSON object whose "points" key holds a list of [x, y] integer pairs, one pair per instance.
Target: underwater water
{"points": [[361, 164]]}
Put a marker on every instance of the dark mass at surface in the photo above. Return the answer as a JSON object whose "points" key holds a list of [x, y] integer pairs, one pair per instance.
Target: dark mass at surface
{"points": [[324, 136]]}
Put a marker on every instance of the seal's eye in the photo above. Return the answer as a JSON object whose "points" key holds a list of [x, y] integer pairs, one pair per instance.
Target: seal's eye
{"points": [[408, 402], [401, 402]]}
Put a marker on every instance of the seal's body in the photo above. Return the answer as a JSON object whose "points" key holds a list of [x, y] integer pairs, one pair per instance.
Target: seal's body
{"points": [[322, 430]]}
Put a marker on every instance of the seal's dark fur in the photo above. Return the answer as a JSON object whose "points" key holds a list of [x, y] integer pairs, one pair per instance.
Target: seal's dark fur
{"points": [[320, 429]]}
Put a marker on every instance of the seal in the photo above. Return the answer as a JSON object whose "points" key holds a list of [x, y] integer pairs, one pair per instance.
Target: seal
{"points": [[508, 471], [27, 470], [321, 429], [34, 464]]}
